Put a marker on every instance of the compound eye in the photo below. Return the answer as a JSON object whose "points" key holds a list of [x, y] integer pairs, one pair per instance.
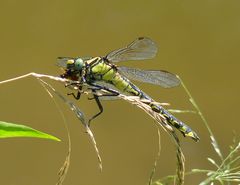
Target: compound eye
{"points": [[79, 64]]}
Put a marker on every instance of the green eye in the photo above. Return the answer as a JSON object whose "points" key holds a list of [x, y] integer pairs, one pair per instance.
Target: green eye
{"points": [[79, 64]]}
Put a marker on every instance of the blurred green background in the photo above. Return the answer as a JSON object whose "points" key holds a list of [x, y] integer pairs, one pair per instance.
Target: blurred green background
{"points": [[198, 40]]}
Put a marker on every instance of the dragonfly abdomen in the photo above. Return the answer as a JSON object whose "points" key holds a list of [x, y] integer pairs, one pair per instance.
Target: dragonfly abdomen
{"points": [[182, 127], [185, 130]]}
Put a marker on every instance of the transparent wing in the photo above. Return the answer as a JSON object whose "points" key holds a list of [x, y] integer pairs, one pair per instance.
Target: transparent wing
{"points": [[62, 61], [140, 49], [162, 78]]}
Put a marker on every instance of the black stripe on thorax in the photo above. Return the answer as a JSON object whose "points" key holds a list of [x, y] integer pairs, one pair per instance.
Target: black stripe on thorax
{"points": [[95, 61]]}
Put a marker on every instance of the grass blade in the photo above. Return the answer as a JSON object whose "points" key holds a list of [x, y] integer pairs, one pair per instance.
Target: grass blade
{"points": [[80, 115], [8, 130], [156, 159]]}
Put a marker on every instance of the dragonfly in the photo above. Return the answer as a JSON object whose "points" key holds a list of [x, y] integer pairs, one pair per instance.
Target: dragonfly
{"points": [[103, 73]]}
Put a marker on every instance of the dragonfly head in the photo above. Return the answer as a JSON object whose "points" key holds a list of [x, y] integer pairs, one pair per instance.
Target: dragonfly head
{"points": [[73, 69]]}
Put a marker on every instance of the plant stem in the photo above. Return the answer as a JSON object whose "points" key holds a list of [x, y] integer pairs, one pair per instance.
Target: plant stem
{"points": [[214, 141]]}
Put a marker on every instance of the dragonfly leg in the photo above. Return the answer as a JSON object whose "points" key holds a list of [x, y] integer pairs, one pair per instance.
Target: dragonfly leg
{"points": [[77, 97], [102, 95], [99, 87], [72, 83], [99, 106]]}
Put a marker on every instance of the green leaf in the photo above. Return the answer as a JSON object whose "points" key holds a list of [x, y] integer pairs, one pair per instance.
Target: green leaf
{"points": [[15, 130]]}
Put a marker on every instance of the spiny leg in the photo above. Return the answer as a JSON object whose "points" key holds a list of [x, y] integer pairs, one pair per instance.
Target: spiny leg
{"points": [[99, 87], [77, 97], [96, 88], [73, 83], [96, 98], [103, 95], [99, 106]]}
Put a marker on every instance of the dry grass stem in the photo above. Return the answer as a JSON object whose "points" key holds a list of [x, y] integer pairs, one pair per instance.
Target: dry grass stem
{"points": [[141, 103], [163, 123]]}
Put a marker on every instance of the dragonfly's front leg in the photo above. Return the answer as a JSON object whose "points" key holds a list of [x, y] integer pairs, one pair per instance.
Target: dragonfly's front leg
{"points": [[77, 97], [74, 83]]}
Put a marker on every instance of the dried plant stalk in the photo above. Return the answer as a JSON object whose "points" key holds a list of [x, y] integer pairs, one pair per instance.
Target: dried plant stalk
{"points": [[163, 123], [131, 99]]}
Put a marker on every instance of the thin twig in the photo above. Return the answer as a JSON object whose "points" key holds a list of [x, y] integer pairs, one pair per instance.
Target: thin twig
{"points": [[161, 120]]}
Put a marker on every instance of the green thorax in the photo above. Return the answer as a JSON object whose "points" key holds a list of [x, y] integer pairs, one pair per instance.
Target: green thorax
{"points": [[101, 70]]}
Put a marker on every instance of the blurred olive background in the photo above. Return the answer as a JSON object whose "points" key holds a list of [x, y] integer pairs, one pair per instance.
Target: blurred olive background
{"points": [[198, 40]]}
